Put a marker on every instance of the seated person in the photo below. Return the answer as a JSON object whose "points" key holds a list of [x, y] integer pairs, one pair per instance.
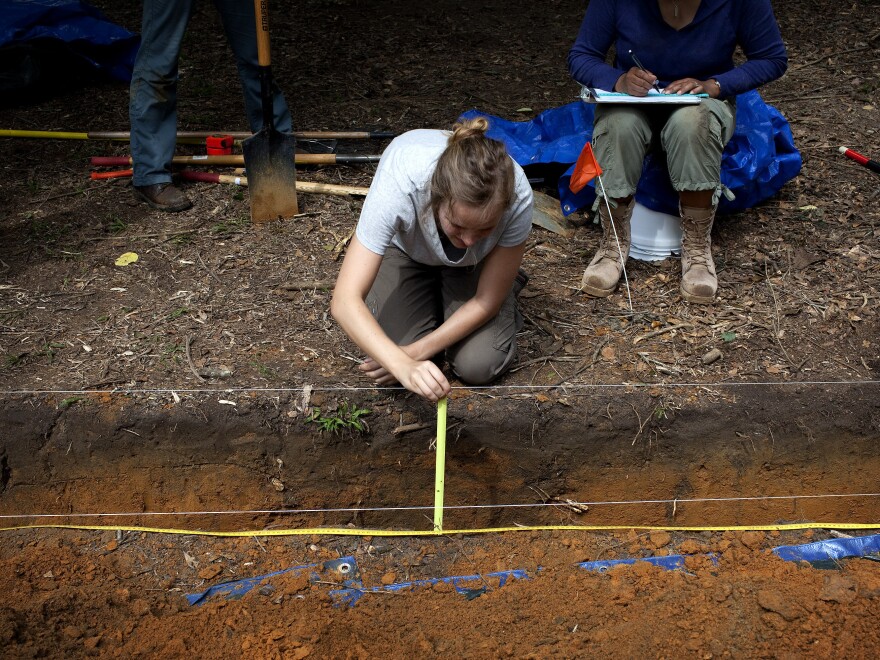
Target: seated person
{"points": [[685, 47], [434, 262]]}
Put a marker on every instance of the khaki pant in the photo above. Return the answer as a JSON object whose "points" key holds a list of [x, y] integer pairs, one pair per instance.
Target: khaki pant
{"points": [[692, 136], [410, 299]]}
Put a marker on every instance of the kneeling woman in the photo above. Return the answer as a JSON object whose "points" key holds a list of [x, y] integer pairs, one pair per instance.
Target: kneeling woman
{"points": [[434, 262]]}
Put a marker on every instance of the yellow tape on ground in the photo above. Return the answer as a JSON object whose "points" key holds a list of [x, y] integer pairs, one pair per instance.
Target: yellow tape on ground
{"points": [[349, 531]]}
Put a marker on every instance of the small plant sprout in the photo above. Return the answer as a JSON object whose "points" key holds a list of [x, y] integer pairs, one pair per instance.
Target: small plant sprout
{"points": [[345, 418]]}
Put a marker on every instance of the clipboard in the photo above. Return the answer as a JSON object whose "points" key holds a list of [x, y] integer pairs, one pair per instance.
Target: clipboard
{"points": [[595, 95]]}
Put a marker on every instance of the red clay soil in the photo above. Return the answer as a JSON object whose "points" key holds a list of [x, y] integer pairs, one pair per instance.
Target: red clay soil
{"points": [[215, 303], [73, 594]]}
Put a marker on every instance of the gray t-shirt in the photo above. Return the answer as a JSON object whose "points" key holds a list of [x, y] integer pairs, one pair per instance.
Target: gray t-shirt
{"points": [[398, 212]]}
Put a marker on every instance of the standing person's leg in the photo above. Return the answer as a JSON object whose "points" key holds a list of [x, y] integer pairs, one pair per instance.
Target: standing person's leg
{"points": [[621, 137], [240, 24], [153, 102], [490, 350], [404, 298], [694, 138]]}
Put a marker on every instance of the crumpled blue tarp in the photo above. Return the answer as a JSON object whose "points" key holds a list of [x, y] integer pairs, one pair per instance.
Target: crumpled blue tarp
{"points": [[345, 570], [817, 553], [469, 586], [669, 563], [83, 30], [759, 159], [832, 549]]}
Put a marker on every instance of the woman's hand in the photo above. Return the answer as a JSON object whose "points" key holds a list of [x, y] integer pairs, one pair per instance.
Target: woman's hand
{"points": [[420, 376], [379, 374], [425, 379], [635, 82], [693, 86]]}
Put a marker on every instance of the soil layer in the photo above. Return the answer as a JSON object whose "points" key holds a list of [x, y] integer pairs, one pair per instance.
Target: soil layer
{"points": [[199, 378]]}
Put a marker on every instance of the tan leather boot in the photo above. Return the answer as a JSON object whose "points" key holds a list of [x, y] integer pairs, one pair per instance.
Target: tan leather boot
{"points": [[698, 280], [602, 275]]}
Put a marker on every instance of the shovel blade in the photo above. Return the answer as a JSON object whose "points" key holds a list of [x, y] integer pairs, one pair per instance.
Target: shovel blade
{"points": [[269, 160]]}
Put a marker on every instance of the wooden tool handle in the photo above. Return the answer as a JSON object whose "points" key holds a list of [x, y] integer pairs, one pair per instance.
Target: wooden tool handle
{"points": [[238, 159], [261, 10]]}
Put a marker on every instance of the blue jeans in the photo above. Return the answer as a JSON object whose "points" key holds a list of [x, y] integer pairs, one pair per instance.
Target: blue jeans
{"points": [[153, 100]]}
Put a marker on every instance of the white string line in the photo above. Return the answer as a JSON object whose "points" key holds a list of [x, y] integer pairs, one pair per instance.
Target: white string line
{"points": [[352, 388], [675, 501], [617, 240]]}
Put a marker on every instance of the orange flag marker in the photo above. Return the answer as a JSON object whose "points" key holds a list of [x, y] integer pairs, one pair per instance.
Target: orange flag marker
{"points": [[585, 170]]}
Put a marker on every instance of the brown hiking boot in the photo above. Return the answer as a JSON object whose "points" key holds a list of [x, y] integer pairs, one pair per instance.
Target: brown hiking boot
{"points": [[163, 196], [602, 275], [698, 280]]}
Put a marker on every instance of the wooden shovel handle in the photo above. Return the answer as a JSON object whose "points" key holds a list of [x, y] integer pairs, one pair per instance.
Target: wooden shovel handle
{"points": [[261, 11], [238, 159]]}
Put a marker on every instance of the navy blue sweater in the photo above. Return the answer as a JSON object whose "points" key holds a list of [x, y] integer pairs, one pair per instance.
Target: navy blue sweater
{"points": [[702, 50]]}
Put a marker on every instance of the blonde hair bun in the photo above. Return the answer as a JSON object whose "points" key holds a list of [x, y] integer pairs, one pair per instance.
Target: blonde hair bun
{"points": [[470, 128]]}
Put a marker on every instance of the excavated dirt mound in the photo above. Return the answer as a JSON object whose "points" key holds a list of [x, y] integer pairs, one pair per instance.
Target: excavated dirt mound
{"points": [[208, 377]]}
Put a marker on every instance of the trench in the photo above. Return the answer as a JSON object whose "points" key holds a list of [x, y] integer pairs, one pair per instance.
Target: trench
{"points": [[751, 457]]}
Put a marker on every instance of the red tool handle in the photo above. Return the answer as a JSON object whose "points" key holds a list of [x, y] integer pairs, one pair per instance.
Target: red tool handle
{"points": [[111, 175], [207, 177], [872, 165], [110, 161]]}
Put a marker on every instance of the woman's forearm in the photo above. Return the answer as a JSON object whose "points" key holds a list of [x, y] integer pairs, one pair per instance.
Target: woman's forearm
{"points": [[466, 320], [355, 318]]}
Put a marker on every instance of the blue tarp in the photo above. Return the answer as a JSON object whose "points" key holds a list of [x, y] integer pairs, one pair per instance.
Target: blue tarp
{"points": [[346, 574], [669, 563], [831, 550], [757, 162], [81, 30], [469, 586], [344, 570], [823, 554]]}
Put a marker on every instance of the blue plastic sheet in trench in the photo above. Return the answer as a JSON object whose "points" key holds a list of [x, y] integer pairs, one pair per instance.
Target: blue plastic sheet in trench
{"points": [[345, 573], [759, 159], [469, 586], [82, 29], [822, 554], [670, 563], [831, 550]]}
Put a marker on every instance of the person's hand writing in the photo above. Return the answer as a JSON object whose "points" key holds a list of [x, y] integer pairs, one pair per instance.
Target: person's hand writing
{"points": [[693, 86], [635, 82]]}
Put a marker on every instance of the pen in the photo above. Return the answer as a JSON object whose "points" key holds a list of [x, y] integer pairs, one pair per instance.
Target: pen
{"points": [[639, 64]]}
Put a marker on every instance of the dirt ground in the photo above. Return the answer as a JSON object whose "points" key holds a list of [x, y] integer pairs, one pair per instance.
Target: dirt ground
{"points": [[206, 360]]}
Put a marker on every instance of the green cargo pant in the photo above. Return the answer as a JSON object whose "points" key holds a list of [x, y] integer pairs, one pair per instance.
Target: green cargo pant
{"points": [[692, 136], [410, 299]]}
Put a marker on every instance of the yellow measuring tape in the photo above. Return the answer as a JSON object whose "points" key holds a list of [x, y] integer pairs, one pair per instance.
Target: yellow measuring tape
{"points": [[439, 485], [349, 531], [440, 466]]}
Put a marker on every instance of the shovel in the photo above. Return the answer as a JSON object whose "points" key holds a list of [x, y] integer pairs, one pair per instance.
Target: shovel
{"points": [[269, 154]]}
